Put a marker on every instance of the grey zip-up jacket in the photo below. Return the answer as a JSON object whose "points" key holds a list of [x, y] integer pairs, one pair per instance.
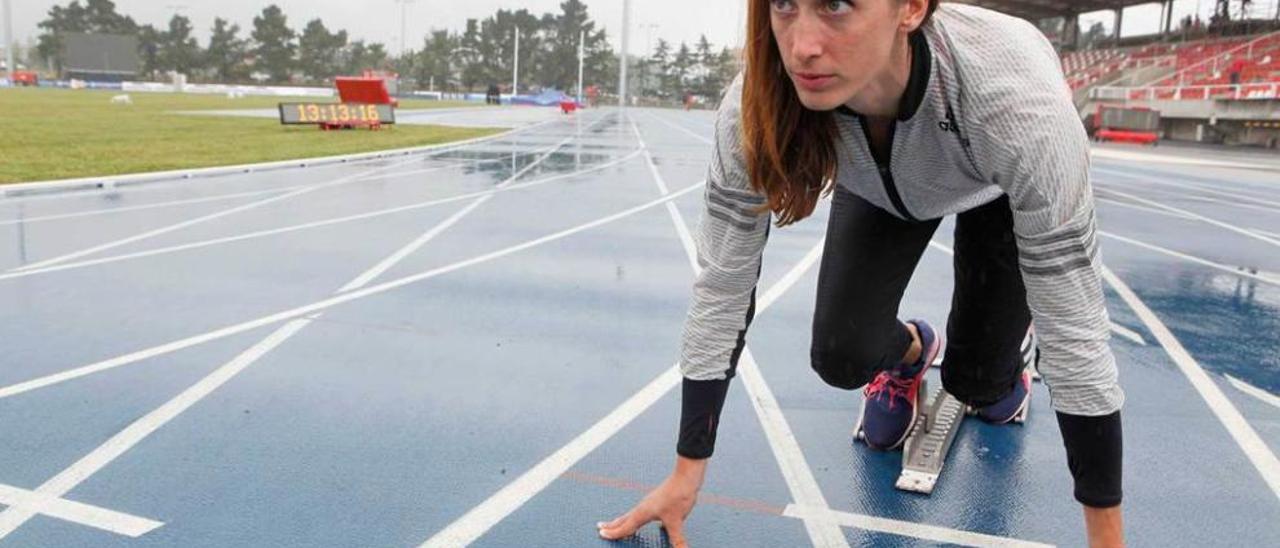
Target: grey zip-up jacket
{"points": [[995, 117]]}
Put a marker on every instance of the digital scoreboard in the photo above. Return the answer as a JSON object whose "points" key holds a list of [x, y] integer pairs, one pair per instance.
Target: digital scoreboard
{"points": [[336, 114]]}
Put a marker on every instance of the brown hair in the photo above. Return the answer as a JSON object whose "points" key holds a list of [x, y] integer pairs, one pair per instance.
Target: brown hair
{"points": [[790, 150]]}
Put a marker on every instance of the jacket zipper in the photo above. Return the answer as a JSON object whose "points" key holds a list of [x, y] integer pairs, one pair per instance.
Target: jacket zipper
{"points": [[886, 173]]}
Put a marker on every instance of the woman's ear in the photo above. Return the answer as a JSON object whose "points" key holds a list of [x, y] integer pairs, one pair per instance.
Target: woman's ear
{"points": [[913, 13]]}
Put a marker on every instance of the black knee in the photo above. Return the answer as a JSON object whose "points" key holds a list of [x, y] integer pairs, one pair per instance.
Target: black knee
{"points": [[844, 365]]}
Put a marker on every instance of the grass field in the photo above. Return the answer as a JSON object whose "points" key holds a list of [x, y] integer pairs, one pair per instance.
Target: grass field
{"points": [[59, 134]]}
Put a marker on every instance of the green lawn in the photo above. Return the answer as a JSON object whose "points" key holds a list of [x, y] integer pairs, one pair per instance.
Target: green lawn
{"points": [[58, 134]]}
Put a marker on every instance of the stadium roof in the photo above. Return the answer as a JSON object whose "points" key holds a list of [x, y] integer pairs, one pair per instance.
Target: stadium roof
{"points": [[1040, 9]]}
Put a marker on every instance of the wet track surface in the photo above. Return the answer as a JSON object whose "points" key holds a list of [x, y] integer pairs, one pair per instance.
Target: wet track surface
{"points": [[477, 345]]}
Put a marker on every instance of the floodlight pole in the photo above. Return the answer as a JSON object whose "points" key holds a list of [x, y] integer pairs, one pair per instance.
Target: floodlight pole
{"points": [[515, 71], [582, 59], [8, 39], [626, 35], [404, 8]]}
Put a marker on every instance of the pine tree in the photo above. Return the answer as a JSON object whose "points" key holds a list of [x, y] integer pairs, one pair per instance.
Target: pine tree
{"points": [[274, 44]]}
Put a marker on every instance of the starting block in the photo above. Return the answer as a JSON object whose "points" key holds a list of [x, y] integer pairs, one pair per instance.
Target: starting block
{"points": [[924, 453]]}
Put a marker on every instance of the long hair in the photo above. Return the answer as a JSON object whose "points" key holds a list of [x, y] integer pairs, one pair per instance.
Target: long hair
{"points": [[790, 151]]}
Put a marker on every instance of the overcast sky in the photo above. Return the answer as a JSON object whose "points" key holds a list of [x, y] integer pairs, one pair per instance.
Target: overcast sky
{"points": [[379, 20]]}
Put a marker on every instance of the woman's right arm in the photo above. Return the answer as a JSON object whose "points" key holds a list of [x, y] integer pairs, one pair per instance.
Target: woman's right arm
{"points": [[730, 241]]}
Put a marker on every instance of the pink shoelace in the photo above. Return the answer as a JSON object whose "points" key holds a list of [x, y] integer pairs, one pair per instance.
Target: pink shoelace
{"points": [[896, 387]]}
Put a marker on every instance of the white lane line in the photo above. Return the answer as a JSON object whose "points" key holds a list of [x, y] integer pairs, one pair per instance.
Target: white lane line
{"points": [[76, 512], [349, 179], [1263, 276], [325, 304], [472, 525], [906, 528], [203, 219], [1190, 186], [1115, 327], [1151, 210], [310, 225], [678, 127], [1265, 233], [222, 197], [1266, 397], [1174, 195], [1127, 333], [1131, 156], [1244, 435], [99, 458], [786, 451], [158, 205], [1208, 220]]}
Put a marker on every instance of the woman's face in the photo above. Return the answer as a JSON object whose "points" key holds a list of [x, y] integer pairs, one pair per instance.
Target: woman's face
{"points": [[833, 48]]}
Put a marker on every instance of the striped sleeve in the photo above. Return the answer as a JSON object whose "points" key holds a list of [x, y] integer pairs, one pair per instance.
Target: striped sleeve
{"points": [[730, 240], [1036, 150]]}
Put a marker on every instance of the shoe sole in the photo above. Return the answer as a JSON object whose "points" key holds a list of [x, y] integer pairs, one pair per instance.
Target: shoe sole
{"points": [[1026, 401]]}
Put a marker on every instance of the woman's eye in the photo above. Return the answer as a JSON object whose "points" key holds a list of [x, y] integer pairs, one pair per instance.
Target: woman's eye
{"points": [[784, 6], [839, 6]]}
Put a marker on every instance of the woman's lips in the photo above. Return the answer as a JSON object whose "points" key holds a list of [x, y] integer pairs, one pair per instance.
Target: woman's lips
{"points": [[811, 81]]}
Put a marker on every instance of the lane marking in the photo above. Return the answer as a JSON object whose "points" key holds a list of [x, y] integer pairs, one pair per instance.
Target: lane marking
{"points": [[349, 179], [222, 197], [906, 528], [1111, 154], [786, 451], [1261, 276], [1208, 220], [76, 512], [158, 205], [1115, 327], [1151, 210], [680, 128], [1238, 194], [308, 226], [1244, 435], [203, 219], [325, 304], [1266, 397]]}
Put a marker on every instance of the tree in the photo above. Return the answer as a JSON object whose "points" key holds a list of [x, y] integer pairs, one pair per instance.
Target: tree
{"points": [[274, 43], [706, 75], [97, 16], [149, 50], [660, 62], [469, 55], [226, 53], [180, 51], [433, 64], [358, 56], [319, 51], [681, 69]]}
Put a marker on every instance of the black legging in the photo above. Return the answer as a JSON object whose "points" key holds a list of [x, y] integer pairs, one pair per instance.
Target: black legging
{"points": [[869, 258]]}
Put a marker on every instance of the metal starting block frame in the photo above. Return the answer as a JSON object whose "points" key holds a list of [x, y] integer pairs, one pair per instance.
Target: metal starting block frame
{"points": [[924, 453]]}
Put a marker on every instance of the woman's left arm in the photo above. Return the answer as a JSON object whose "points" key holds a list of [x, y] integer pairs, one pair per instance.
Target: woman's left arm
{"points": [[1033, 144]]}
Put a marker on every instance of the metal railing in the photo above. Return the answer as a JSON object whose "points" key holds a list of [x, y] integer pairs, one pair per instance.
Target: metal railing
{"points": [[1235, 92]]}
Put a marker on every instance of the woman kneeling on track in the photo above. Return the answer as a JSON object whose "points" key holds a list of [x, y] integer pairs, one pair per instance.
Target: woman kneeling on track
{"points": [[906, 112]]}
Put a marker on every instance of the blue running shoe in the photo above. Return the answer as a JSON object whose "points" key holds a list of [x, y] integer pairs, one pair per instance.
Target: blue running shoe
{"points": [[1010, 406], [889, 408]]}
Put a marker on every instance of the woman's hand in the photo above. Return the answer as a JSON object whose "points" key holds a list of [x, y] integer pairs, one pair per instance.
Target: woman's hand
{"points": [[669, 504]]}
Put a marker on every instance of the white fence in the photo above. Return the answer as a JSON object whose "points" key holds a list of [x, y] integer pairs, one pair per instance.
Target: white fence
{"points": [[222, 89]]}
